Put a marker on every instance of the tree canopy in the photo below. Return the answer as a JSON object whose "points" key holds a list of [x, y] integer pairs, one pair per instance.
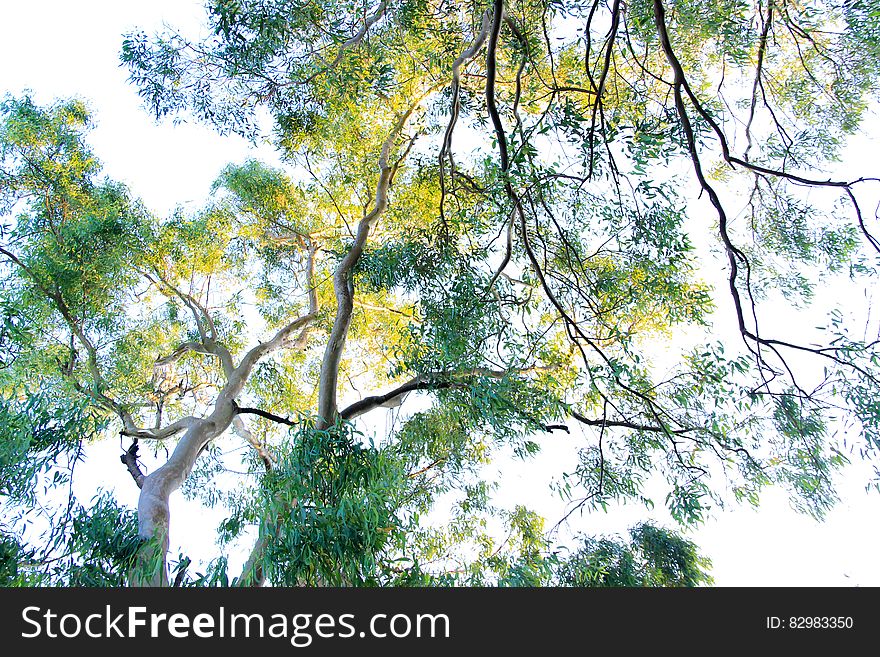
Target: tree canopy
{"points": [[505, 222]]}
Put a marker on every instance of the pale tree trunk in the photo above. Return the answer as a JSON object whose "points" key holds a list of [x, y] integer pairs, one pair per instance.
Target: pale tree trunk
{"points": [[153, 505]]}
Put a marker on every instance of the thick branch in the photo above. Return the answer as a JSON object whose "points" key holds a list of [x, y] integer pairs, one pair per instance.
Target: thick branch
{"points": [[392, 398], [277, 341], [129, 459], [342, 284], [265, 414], [491, 68], [167, 431], [178, 353], [429, 381], [446, 147]]}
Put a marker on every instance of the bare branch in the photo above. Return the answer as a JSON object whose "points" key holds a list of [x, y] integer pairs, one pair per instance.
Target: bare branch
{"points": [[391, 399], [265, 414], [429, 381], [129, 459], [239, 427], [209, 344], [491, 70], [446, 147], [177, 354], [167, 431], [277, 341]]}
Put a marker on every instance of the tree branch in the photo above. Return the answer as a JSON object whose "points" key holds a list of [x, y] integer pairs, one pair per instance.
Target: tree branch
{"points": [[177, 354], [277, 341], [167, 431], [429, 381], [342, 284], [446, 147], [209, 344], [265, 414], [491, 68], [239, 427], [129, 459], [355, 40]]}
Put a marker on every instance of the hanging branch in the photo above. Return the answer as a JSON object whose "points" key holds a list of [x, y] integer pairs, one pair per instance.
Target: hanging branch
{"points": [[735, 256]]}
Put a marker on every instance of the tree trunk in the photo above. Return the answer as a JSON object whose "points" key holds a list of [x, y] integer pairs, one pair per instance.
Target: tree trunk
{"points": [[154, 512]]}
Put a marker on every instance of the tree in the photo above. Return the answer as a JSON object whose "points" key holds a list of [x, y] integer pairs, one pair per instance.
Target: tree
{"points": [[490, 215]]}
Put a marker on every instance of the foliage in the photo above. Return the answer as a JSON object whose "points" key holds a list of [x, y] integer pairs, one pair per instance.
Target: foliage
{"points": [[653, 557], [329, 507], [505, 222]]}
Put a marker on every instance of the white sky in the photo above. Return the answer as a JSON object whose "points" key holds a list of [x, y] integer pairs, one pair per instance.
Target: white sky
{"points": [[59, 48]]}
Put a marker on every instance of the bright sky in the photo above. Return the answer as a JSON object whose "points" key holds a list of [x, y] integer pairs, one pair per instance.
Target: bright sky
{"points": [[59, 48]]}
